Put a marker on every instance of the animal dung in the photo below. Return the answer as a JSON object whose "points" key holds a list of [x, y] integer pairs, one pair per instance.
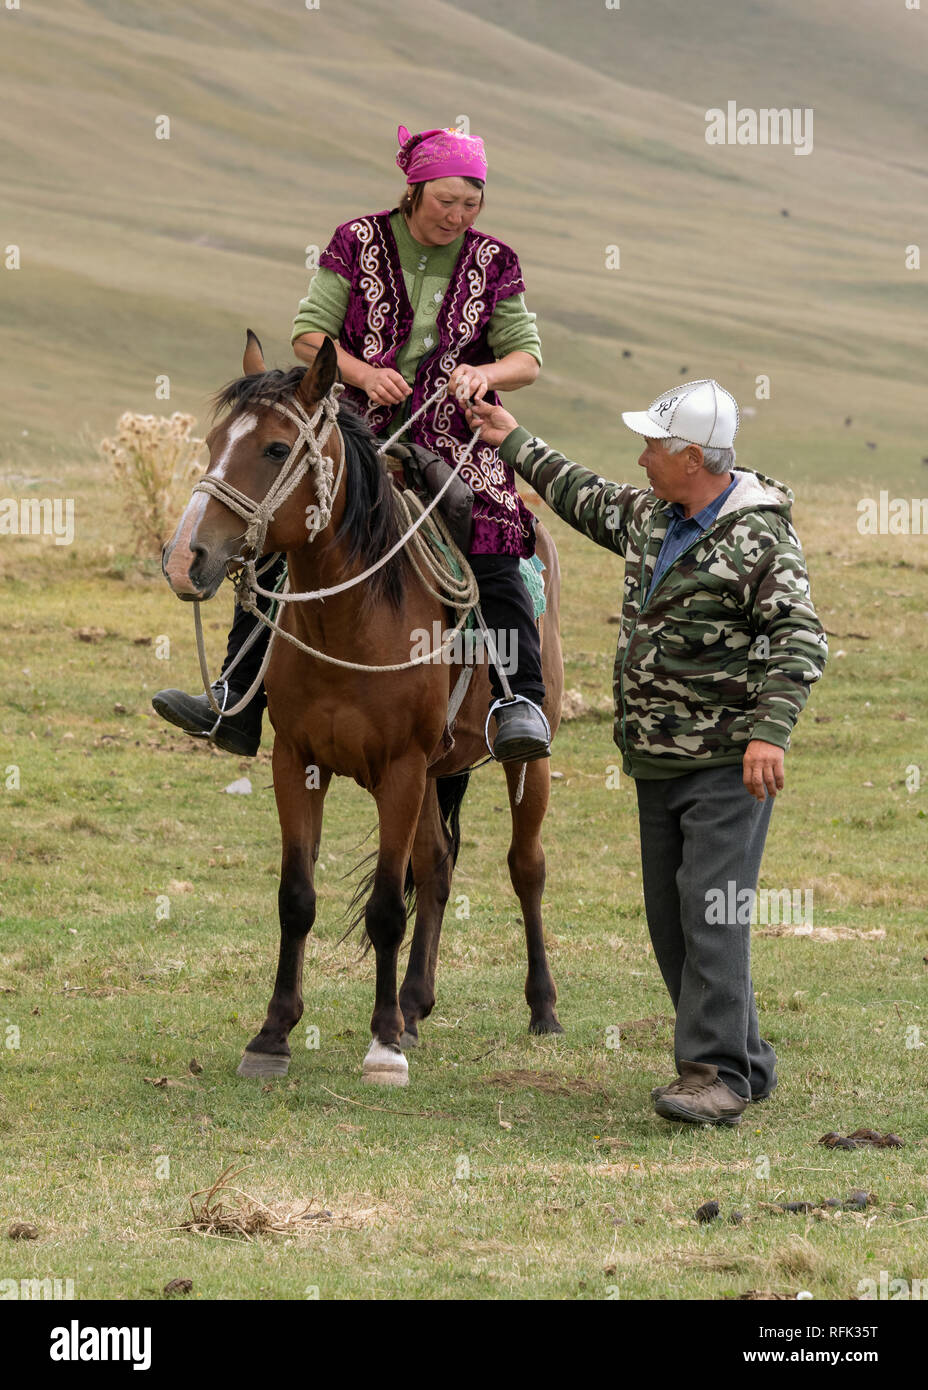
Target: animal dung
{"points": [[23, 1230], [831, 1140], [707, 1212]]}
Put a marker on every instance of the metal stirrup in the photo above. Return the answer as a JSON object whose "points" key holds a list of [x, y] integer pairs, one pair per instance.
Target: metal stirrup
{"points": [[512, 699]]}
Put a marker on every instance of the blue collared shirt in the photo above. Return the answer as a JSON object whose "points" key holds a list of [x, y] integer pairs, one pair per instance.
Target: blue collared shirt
{"points": [[683, 530]]}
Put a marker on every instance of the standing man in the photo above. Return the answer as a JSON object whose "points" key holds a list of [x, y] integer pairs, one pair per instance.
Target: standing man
{"points": [[718, 646]]}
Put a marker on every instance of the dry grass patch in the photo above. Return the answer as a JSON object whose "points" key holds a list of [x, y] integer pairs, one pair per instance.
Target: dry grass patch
{"points": [[548, 1082], [224, 1210]]}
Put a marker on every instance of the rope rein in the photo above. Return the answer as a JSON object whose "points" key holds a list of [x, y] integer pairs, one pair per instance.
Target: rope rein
{"points": [[305, 454]]}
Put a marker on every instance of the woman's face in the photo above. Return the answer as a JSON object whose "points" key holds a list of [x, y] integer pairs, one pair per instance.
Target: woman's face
{"points": [[447, 208]]}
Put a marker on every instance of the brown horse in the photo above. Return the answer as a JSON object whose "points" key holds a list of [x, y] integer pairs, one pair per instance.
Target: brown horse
{"points": [[385, 730]]}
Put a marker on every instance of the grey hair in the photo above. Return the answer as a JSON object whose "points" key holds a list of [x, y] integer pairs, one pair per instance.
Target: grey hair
{"points": [[715, 460]]}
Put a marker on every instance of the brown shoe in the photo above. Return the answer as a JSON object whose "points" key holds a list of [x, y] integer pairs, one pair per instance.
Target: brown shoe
{"points": [[698, 1097], [658, 1091]]}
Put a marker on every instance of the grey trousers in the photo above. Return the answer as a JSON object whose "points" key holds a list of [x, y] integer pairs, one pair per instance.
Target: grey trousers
{"points": [[701, 833]]}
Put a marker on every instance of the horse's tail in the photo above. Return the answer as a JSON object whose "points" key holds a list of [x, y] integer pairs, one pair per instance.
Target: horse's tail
{"points": [[450, 795], [450, 791]]}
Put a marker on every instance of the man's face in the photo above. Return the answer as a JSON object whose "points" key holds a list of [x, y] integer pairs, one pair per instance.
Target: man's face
{"points": [[667, 473]]}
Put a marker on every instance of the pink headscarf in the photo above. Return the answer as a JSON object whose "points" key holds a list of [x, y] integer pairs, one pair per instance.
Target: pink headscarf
{"points": [[440, 154]]}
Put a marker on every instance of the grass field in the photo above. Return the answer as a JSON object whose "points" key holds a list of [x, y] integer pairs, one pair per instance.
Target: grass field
{"points": [[575, 1187], [512, 1166]]}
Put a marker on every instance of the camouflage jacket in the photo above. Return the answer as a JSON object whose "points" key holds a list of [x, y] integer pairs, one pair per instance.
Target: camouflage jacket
{"points": [[726, 646]]}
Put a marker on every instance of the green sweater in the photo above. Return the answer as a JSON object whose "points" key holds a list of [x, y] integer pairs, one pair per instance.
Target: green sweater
{"points": [[427, 271]]}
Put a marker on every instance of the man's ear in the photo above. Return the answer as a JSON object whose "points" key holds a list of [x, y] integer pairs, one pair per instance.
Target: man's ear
{"points": [[694, 456]]}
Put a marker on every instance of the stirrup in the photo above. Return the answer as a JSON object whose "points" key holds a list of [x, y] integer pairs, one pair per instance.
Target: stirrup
{"points": [[512, 700], [210, 733]]}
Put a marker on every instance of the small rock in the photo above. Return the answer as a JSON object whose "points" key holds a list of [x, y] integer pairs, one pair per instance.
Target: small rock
{"points": [[240, 787], [573, 705], [736, 1218], [707, 1212], [119, 709], [90, 634]]}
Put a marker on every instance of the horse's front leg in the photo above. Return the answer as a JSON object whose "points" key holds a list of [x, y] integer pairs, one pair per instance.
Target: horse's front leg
{"points": [[399, 801], [300, 812], [527, 872]]}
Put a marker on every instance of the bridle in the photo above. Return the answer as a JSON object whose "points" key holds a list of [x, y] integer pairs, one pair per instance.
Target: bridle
{"points": [[312, 433]]}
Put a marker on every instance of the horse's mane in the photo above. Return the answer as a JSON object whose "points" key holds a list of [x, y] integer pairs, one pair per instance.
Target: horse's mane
{"points": [[369, 525]]}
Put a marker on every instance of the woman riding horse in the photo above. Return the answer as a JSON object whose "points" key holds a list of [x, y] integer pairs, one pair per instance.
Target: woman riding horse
{"points": [[413, 297]]}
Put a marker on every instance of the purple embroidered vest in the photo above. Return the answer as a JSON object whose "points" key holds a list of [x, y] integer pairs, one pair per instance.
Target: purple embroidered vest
{"points": [[378, 321]]}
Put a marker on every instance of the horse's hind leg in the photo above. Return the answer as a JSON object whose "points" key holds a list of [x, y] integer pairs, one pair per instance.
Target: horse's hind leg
{"points": [[434, 852], [399, 801], [527, 871], [300, 812]]}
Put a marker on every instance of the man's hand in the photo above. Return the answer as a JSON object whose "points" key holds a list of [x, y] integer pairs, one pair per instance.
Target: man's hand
{"points": [[384, 386], [496, 422], [763, 768]]}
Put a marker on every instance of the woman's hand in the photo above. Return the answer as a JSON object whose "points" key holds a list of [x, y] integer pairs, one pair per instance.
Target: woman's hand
{"points": [[495, 422], [468, 383], [384, 386]]}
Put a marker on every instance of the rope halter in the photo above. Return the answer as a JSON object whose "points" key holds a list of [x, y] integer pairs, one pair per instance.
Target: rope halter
{"points": [[305, 453]]}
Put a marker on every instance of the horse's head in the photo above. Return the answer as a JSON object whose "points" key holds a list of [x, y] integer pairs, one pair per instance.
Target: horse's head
{"points": [[246, 451]]}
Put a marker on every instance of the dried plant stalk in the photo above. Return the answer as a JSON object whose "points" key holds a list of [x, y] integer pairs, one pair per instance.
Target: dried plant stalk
{"points": [[155, 460]]}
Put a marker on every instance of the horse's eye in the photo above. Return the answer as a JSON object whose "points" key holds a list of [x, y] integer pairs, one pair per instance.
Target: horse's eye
{"points": [[277, 451]]}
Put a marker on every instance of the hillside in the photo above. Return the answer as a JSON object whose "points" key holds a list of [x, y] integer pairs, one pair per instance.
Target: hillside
{"points": [[143, 256]]}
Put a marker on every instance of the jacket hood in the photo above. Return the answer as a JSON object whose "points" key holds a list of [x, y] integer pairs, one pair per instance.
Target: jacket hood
{"points": [[754, 490]]}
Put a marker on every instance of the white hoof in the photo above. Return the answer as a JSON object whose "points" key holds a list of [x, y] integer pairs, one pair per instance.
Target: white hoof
{"points": [[385, 1065], [262, 1064]]}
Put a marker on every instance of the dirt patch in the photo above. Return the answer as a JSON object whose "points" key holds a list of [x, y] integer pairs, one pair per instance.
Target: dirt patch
{"points": [[548, 1082], [824, 933]]}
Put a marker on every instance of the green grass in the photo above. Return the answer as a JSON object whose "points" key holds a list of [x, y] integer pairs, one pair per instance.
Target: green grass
{"points": [[141, 258], [587, 1192]]}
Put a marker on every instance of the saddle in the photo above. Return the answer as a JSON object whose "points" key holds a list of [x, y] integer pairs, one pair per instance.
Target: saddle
{"points": [[425, 472]]}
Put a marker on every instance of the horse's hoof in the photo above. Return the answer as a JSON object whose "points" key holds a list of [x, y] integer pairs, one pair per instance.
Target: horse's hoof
{"points": [[262, 1064], [408, 1040], [545, 1025], [385, 1065]]}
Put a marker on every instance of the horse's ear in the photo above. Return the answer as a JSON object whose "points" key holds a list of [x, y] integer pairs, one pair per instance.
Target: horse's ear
{"points": [[253, 361], [317, 379]]}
